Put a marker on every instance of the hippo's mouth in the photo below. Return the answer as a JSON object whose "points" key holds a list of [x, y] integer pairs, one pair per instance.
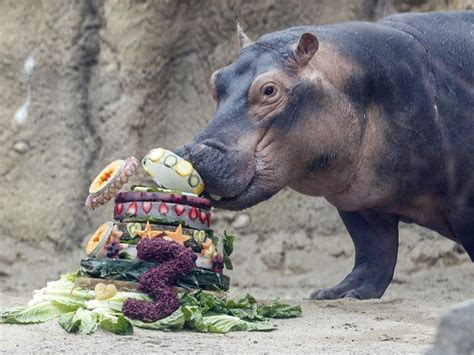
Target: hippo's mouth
{"points": [[257, 190]]}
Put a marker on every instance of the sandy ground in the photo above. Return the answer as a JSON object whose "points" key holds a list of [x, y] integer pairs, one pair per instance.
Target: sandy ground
{"points": [[404, 321]]}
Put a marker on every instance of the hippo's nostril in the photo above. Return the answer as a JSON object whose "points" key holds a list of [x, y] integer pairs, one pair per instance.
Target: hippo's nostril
{"points": [[198, 148], [216, 145]]}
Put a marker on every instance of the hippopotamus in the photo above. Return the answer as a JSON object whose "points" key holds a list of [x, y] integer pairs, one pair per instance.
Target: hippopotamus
{"points": [[377, 118]]}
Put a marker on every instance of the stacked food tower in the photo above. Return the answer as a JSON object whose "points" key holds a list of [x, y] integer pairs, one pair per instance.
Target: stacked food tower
{"points": [[155, 266], [173, 210]]}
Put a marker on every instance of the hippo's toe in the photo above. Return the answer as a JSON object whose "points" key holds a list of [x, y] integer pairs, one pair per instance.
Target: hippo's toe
{"points": [[324, 294]]}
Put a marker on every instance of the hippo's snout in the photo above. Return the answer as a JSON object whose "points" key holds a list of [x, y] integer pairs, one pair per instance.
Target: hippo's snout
{"points": [[224, 171], [182, 151]]}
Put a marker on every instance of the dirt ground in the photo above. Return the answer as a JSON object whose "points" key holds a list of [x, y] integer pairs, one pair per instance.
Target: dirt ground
{"points": [[404, 321]]}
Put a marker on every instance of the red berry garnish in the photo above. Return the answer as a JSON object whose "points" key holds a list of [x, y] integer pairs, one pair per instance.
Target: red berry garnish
{"points": [[146, 206], [179, 209], [203, 217], [163, 209], [193, 213], [132, 209], [118, 208]]}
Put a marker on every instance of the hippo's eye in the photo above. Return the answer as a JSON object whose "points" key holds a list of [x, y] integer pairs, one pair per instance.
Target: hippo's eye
{"points": [[268, 90]]}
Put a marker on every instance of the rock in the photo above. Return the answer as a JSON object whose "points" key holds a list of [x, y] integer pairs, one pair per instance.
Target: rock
{"points": [[242, 220], [21, 147], [455, 333]]}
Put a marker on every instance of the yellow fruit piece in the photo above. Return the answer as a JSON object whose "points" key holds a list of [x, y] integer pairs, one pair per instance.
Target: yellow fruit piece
{"points": [[156, 154], [178, 235], [104, 292], [198, 189], [106, 174], [96, 237], [184, 168]]}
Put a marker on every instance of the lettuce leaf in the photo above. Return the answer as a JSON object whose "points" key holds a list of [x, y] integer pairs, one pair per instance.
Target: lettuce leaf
{"points": [[120, 325], [79, 312], [277, 309], [82, 321], [57, 298], [109, 316], [173, 322], [224, 323], [40, 312], [221, 323], [228, 248]]}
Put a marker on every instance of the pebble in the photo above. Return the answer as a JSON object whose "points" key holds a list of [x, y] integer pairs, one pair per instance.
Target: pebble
{"points": [[242, 220], [21, 147]]}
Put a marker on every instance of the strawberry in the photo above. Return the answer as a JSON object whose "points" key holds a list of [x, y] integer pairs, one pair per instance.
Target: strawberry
{"points": [[146, 206], [203, 217], [163, 209], [118, 208], [179, 209], [132, 209], [193, 213]]}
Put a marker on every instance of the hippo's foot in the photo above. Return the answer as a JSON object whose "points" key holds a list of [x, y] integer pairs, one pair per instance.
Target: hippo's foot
{"points": [[362, 283], [375, 240]]}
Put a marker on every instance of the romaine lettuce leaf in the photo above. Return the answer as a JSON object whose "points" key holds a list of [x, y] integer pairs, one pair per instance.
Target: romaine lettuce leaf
{"points": [[201, 311], [221, 323], [172, 322], [82, 321], [228, 248], [120, 325], [277, 309], [40, 312]]}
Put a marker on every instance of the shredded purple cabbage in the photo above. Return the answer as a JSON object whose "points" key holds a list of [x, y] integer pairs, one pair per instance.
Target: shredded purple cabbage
{"points": [[174, 261]]}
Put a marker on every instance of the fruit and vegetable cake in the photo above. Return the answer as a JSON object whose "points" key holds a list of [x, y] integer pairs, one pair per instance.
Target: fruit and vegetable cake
{"points": [[171, 211], [158, 264]]}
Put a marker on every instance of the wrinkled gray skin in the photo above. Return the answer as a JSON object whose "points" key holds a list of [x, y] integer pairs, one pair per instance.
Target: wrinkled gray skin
{"points": [[375, 117]]}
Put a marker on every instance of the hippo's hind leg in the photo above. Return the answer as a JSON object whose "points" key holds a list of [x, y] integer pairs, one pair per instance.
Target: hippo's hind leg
{"points": [[375, 239], [464, 229]]}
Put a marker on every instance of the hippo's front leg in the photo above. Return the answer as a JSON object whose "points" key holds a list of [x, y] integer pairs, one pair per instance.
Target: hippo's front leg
{"points": [[375, 239]]}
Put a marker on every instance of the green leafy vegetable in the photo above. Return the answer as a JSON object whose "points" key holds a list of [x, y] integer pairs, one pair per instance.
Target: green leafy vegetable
{"points": [[50, 302], [245, 308], [222, 323], [279, 310], [70, 276], [173, 322], [228, 248], [120, 325], [80, 312], [82, 321], [131, 271], [40, 312]]}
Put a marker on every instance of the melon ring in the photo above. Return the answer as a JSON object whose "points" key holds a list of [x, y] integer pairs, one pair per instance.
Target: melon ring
{"points": [[99, 238], [109, 181]]}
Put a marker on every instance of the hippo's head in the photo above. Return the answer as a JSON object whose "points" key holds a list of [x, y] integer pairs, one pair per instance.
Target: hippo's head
{"points": [[278, 122]]}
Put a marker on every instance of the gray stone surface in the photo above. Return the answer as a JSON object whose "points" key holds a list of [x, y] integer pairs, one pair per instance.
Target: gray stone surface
{"points": [[455, 335]]}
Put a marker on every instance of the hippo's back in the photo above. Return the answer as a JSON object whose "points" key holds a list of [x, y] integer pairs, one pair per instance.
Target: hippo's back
{"points": [[447, 36], [446, 42]]}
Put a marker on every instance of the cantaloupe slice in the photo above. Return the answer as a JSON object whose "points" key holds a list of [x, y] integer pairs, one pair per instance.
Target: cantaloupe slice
{"points": [[109, 181], [101, 182], [99, 238]]}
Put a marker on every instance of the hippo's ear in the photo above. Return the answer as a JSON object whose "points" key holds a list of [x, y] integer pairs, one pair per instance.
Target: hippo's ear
{"points": [[244, 40], [306, 48]]}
